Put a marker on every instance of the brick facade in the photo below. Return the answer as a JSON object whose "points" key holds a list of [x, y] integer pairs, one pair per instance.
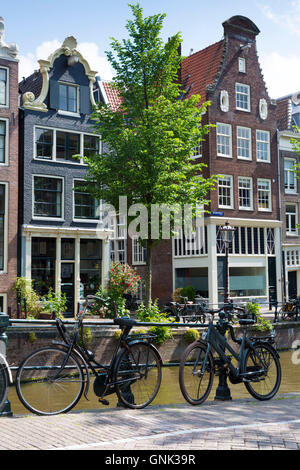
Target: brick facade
{"points": [[9, 173]]}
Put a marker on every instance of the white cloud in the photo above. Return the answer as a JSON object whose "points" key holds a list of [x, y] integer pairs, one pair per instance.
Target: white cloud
{"points": [[281, 73], [89, 50], [289, 19]]}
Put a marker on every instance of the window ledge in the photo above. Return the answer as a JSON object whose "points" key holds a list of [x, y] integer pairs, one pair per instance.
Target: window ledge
{"points": [[68, 113]]}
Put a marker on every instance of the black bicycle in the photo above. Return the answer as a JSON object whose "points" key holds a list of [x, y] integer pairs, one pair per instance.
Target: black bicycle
{"points": [[189, 312], [5, 380], [52, 380], [257, 366]]}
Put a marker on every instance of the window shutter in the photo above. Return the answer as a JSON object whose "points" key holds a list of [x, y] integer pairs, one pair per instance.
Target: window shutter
{"points": [[85, 102], [54, 94]]}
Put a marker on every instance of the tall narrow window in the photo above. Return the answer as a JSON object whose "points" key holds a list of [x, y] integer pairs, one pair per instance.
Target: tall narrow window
{"points": [[224, 142], [245, 193], [91, 145], [3, 137], [291, 219], [44, 143], [138, 252], [2, 225], [68, 100], [47, 197], [3, 87], [290, 185], [244, 143], [242, 93], [263, 146], [67, 146], [85, 205], [264, 195], [242, 65], [225, 192]]}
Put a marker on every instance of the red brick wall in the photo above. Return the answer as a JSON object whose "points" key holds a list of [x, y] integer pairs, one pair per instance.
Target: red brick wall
{"points": [[10, 174], [234, 166]]}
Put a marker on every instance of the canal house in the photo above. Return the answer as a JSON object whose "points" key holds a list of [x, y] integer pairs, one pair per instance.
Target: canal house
{"points": [[242, 149], [63, 244]]}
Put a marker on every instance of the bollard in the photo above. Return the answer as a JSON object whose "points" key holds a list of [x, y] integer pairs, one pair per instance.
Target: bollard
{"points": [[4, 322], [223, 391]]}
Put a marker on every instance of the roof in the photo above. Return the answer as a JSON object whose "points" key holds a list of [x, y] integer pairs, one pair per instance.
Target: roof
{"points": [[32, 83], [111, 95], [283, 113], [201, 69]]}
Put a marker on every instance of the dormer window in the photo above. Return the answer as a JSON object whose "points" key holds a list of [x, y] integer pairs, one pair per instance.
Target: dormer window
{"points": [[68, 98]]}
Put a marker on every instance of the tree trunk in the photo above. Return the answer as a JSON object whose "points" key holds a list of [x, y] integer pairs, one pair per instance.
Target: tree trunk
{"points": [[148, 280]]}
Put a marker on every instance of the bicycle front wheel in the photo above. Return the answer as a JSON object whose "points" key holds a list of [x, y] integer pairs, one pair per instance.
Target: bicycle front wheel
{"points": [[138, 375], [48, 382], [266, 384], [196, 379]]}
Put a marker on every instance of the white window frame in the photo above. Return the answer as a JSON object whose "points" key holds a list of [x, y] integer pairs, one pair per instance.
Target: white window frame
{"points": [[6, 149], [64, 162], [222, 136], [62, 218], [5, 228], [291, 233], [242, 64], [4, 296], [288, 173], [197, 151], [138, 252], [70, 113], [263, 180], [76, 219], [220, 180], [6, 105], [242, 138], [250, 188], [118, 225], [264, 142], [238, 92]]}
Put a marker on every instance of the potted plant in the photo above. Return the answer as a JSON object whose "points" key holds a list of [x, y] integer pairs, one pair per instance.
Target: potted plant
{"points": [[27, 297], [53, 304]]}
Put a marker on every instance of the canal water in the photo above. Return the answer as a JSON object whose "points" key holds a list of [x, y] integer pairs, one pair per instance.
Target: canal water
{"points": [[170, 393]]}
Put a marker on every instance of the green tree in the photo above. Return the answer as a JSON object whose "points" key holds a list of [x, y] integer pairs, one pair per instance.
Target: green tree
{"points": [[149, 139]]}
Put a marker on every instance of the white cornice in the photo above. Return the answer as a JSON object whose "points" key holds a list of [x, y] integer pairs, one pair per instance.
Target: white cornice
{"points": [[7, 51]]}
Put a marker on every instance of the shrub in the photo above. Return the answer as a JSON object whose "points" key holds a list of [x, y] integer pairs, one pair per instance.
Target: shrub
{"points": [[53, 302], [152, 313], [123, 279], [262, 324], [188, 292], [23, 288], [191, 335]]}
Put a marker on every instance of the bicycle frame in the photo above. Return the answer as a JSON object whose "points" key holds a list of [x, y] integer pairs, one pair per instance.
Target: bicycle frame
{"points": [[218, 342]]}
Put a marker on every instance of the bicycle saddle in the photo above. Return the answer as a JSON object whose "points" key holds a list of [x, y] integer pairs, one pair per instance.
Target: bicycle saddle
{"points": [[124, 321], [246, 321]]}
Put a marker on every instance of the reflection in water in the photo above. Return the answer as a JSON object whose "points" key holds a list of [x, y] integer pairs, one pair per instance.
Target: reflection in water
{"points": [[170, 394]]}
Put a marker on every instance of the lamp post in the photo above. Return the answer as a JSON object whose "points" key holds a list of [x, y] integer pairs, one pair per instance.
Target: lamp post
{"points": [[227, 232], [223, 391]]}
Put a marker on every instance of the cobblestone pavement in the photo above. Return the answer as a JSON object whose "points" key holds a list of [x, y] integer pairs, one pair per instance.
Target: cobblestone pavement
{"points": [[235, 425]]}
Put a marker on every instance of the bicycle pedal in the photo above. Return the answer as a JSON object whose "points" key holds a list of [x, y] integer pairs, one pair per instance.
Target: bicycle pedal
{"points": [[103, 401]]}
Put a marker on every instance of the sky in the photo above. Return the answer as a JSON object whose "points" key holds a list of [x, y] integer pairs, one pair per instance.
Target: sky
{"points": [[39, 28]]}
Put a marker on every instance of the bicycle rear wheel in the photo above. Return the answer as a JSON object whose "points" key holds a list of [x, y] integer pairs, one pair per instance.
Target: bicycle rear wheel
{"points": [[196, 385], [138, 375], [266, 385], [48, 382]]}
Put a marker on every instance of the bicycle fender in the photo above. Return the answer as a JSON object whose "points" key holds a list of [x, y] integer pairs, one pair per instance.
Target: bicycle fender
{"points": [[79, 356], [7, 368]]}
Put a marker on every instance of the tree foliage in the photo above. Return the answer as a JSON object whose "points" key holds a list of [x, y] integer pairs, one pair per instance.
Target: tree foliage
{"points": [[149, 139]]}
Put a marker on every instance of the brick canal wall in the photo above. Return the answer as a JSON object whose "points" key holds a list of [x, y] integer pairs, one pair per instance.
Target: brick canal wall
{"points": [[24, 339]]}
